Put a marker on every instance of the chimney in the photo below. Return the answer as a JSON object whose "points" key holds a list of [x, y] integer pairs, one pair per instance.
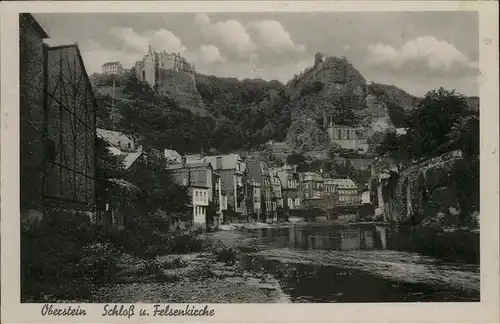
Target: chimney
{"points": [[219, 163]]}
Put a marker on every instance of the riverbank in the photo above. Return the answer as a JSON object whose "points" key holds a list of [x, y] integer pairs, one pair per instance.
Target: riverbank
{"points": [[259, 225], [208, 277]]}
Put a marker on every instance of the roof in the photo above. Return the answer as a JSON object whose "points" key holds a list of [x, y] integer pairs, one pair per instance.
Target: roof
{"points": [[113, 137], [128, 159], [229, 161], [189, 165], [400, 131], [254, 169], [35, 25], [124, 184], [111, 63], [173, 155]]}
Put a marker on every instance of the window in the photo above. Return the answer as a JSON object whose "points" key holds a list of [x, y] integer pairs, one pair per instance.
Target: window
{"points": [[205, 196], [196, 195]]}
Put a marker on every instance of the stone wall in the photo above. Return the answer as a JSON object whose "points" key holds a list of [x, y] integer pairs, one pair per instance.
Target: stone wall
{"points": [[420, 190]]}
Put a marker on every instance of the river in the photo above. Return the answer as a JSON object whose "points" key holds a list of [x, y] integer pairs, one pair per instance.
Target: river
{"points": [[318, 263]]}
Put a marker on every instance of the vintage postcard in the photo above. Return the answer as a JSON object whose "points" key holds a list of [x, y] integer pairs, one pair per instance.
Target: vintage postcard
{"points": [[234, 162]]}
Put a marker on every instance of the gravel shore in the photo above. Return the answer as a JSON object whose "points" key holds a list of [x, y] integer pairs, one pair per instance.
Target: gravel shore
{"points": [[197, 278]]}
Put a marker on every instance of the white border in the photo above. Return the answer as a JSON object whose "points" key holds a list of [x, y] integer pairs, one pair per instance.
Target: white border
{"points": [[481, 312]]}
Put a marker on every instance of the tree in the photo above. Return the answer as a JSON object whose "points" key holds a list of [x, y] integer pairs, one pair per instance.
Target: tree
{"points": [[429, 125], [107, 167], [158, 188], [295, 159]]}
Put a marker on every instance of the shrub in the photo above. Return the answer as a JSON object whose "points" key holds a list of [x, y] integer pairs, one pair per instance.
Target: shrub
{"points": [[173, 264], [99, 262], [226, 255], [63, 256], [148, 267], [185, 243]]}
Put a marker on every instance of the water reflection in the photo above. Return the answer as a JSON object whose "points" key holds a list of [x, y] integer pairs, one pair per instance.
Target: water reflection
{"points": [[323, 238], [318, 263]]}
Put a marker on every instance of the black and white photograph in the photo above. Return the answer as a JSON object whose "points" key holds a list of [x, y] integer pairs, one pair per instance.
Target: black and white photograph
{"points": [[250, 157]]}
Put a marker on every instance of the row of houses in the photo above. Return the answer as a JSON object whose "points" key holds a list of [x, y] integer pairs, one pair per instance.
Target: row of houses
{"points": [[242, 189], [248, 189]]}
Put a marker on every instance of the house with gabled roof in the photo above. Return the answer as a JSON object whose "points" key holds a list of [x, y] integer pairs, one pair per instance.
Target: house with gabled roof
{"points": [[203, 186]]}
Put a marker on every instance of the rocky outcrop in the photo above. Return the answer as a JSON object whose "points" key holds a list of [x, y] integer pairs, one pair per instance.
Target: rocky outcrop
{"points": [[181, 87], [333, 89], [423, 189], [305, 135]]}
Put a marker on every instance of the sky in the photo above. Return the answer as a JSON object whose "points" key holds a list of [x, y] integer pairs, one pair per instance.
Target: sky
{"points": [[416, 51]]}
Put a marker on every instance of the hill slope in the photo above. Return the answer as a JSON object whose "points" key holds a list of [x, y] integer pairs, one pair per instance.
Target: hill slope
{"points": [[333, 88], [246, 114]]}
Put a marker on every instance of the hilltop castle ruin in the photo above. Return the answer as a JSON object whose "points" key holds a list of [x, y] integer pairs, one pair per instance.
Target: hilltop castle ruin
{"points": [[155, 64]]}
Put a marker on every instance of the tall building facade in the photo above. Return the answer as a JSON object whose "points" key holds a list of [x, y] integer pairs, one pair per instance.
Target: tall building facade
{"points": [[289, 187], [57, 127]]}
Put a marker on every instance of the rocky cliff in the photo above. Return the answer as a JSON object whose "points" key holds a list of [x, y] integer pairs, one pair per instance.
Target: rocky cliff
{"points": [[334, 89], [181, 87]]}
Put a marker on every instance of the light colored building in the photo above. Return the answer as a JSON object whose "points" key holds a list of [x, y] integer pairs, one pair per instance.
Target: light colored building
{"points": [[230, 168], [347, 191], [172, 156], [112, 68], [277, 194], [311, 185], [349, 138], [289, 186], [259, 171], [155, 63], [256, 197], [198, 178], [365, 197], [330, 186]]}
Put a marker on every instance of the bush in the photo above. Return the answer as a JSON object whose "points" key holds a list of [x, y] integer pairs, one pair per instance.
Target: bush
{"points": [[226, 255], [62, 257], [173, 264], [148, 267], [99, 262], [185, 243]]}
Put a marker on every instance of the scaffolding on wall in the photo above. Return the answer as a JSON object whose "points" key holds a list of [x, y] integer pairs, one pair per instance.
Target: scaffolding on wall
{"points": [[69, 131]]}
